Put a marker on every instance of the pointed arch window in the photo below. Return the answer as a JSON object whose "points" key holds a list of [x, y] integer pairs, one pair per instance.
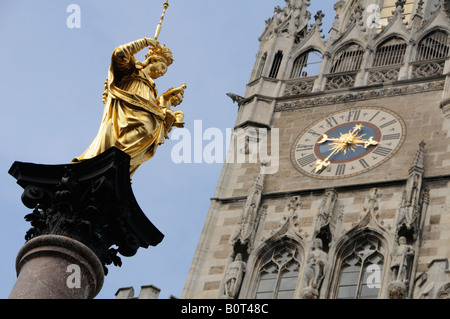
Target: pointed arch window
{"points": [[276, 65], [390, 52], [307, 65], [361, 270], [435, 45], [279, 273], [348, 58]]}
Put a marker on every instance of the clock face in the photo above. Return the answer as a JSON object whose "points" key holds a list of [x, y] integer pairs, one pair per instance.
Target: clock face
{"points": [[348, 143]]}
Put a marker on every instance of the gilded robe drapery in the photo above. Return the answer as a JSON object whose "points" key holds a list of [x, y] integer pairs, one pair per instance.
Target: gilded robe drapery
{"points": [[132, 121]]}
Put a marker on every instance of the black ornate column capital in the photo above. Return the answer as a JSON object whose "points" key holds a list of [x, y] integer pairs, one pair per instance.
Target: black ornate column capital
{"points": [[91, 202]]}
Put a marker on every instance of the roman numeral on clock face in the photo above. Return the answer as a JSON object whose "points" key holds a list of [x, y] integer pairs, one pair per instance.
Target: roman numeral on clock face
{"points": [[302, 148], [331, 122], [382, 151], [373, 117], [307, 160], [390, 137], [363, 163], [353, 115], [388, 124], [312, 132], [340, 170]]}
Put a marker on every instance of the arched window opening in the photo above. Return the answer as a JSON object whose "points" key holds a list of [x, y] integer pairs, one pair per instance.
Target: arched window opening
{"points": [[347, 59], [306, 65], [276, 65], [279, 273], [361, 270], [391, 52], [433, 46]]}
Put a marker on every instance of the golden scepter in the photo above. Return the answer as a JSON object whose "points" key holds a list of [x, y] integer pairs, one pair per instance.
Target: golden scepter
{"points": [[158, 28], [173, 91]]}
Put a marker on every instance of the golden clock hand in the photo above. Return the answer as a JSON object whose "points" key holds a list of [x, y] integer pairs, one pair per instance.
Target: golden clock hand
{"points": [[346, 142], [344, 137], [352, 139], [325, 138], [339, 145], [320, 165], [357, 128], [370, 142]]}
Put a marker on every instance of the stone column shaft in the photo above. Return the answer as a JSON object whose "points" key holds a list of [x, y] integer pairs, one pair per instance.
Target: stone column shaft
{"points": [[57, 267]]}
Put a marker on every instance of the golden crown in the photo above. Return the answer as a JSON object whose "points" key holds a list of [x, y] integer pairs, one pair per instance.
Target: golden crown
{"points": [[160, 52]]}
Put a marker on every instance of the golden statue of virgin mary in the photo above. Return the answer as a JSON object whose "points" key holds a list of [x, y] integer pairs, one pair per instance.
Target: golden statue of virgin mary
{"points": [[135, 119]]}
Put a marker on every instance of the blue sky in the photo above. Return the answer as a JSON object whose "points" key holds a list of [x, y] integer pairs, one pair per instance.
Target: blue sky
{"points": [[51, 86]]}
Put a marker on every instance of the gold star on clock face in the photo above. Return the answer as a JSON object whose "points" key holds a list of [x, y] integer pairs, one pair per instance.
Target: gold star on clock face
{"points": [[348, 143]]}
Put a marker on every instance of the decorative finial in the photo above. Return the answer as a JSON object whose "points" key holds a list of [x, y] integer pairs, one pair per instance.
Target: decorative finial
{"points": [[399, 7], [420, 7], [158, 28], [418, 164], [319, 18]]}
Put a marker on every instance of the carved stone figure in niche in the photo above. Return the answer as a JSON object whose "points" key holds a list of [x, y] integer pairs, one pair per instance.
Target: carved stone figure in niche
{"points": [[315, 270], [371, 204], [401, 261], [233, 277], [410, 208], [327, 207], [248, 222], [326, 220]]}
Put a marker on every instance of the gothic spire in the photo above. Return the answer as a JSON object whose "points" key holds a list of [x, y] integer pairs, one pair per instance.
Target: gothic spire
{"points": [[418, 165]]}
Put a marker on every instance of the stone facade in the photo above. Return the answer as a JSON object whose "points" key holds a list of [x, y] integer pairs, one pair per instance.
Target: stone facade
{"points": [[382, 233]]}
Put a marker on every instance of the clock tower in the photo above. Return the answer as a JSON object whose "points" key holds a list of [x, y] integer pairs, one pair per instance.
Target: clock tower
{"points": [[356, 204]]}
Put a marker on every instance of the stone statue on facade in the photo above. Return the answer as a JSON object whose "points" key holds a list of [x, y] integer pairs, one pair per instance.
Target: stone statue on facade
{"points": [[401, 267], [233, 277], [372, 205], [249, 220], [315, 270], [401, 261]]}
